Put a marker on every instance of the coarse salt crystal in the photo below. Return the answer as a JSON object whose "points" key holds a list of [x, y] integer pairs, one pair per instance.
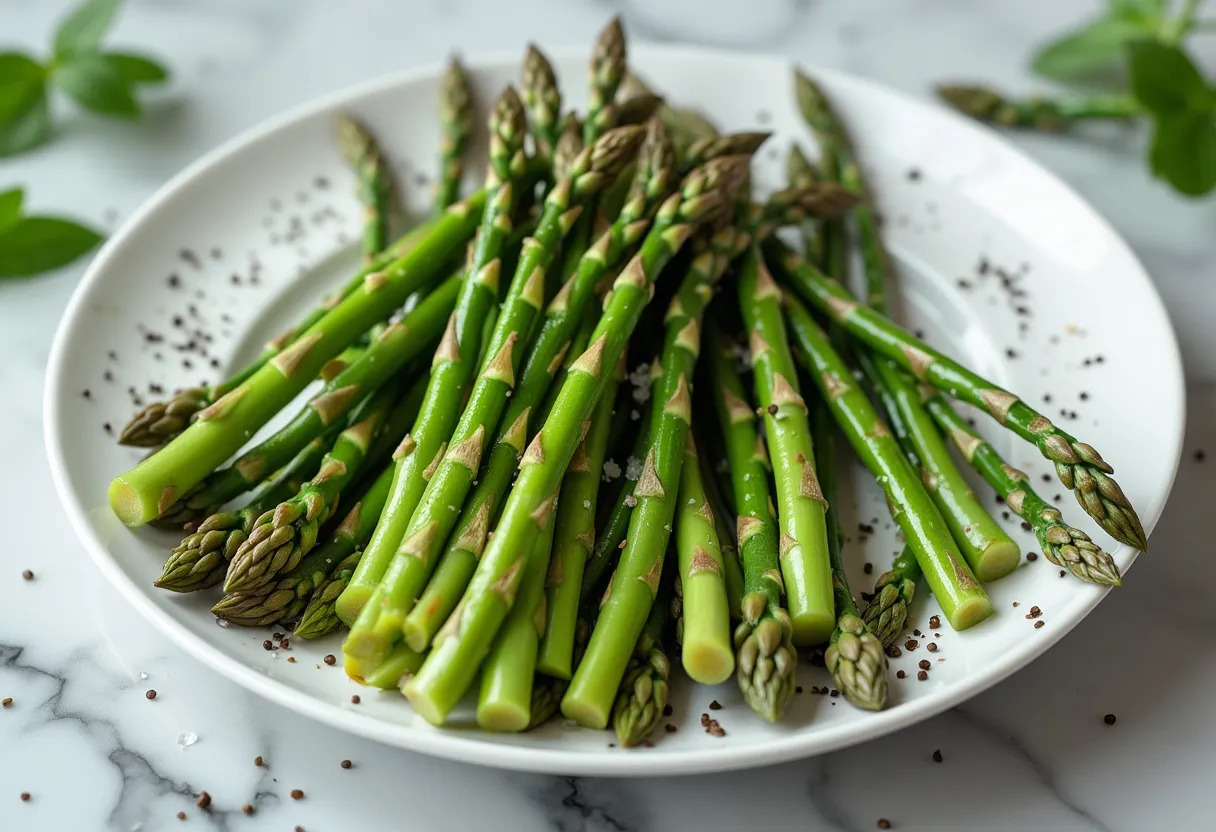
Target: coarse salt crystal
{"points": [[186, 739]]}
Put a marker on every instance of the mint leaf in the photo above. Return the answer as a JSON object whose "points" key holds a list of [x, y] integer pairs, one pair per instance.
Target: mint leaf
{"points": [[1165, 80], [1184, 151], [24, 118], [1088, 51], [137, 69], [97, 85], [83, 29], [10, 207], [40, 244]]}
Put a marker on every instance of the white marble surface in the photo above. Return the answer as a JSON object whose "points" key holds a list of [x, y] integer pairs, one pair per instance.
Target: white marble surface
{"points": [[94, 753]]}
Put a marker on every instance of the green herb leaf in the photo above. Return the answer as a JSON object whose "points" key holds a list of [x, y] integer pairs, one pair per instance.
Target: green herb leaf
{"points": [[1165, 80], [40, 244], [1148, 12], [137, 69], [24, 118], [10, 207], [97, 85], [1184, 151], [83, 29], [1086, 52]]}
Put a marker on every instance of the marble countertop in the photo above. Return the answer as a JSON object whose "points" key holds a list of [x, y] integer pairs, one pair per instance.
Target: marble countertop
{"points": [[93, 753]]}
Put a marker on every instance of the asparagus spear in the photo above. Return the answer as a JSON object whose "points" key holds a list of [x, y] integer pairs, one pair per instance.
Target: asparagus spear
{"points": [[287, 532], [803, 544], [606, 71], [509, 670], [202, 558], [887, 613], [562, 319], [454, 361], [448, 670], [395, 669], [456, 116], [1078, 465], [963, 600], [732, 567], [705, 644], [766, 658], [632, 590], [543, 99], [361, 152], [1062, 544], [642, 696], [1050, 115], [392, 350], [574, 537], [731, 144], [380, 623], [855, 656]]}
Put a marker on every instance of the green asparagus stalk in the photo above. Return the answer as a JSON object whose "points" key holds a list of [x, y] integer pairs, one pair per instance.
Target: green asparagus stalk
{"points": [[634, 585], [287, 532], [454, 362], [1062, 544], [732, 567], [642, 696], [886, 615], [393, 349], [800, 171], [509, 671], [605, 74], [1049, 115], [470, 630], [574, 537], [855, 656], [380, 625], [803, 544], [963, 600], [1078, 465], [705, 644], [456, 116], [543, 99], [362, 153], [731, 144], [396, 669], [553, 345]]}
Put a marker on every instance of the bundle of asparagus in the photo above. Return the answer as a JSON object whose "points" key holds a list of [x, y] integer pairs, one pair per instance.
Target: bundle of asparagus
{"points": [[486, 529]]}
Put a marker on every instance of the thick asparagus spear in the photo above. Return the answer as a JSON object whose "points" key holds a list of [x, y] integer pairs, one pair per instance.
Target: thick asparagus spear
{"points": [[963, 600], [887, 613], [800, 505], [642, 697], [552, 346], [605, 73], [456, 116], [455, 361], [1078, 465], [1062, 544], [633, 587], [1050, 115], [449, 669], [855, 656], [380, 623], [705, 645], [395, 669], [393, 349], [373, 179]]}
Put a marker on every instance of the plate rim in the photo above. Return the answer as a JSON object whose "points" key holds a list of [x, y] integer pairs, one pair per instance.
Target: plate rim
{"points": [[468, 748]]}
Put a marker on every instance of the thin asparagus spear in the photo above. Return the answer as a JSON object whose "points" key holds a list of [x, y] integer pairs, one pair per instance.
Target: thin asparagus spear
{"points": [[456, 116], [418, 331], [509, 670], [705, 645], [642, 697], [287, 532], [632, 590], [963, 600], [1078, 465], [732, 567], [800, 171], [887, 613], [449, 669], [1050, 115], [395, 669], [1062, 544], [543, 99], [574, 537], [454, 363], [552, 346], [855, 656], [380, 623], [731, 144], [605, 73], [362, 153], [766, 658], [800, 505]]}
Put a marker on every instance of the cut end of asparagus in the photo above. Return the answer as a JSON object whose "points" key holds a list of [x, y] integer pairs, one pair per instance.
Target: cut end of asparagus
{"points": [[969, 612], [585, 713], [706, 662], [128, 505], [503, 717], [426, 707], [997, 560]]}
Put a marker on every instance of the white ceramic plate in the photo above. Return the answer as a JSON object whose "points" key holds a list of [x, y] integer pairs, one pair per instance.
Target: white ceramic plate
{"points": [[220, 246]]}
